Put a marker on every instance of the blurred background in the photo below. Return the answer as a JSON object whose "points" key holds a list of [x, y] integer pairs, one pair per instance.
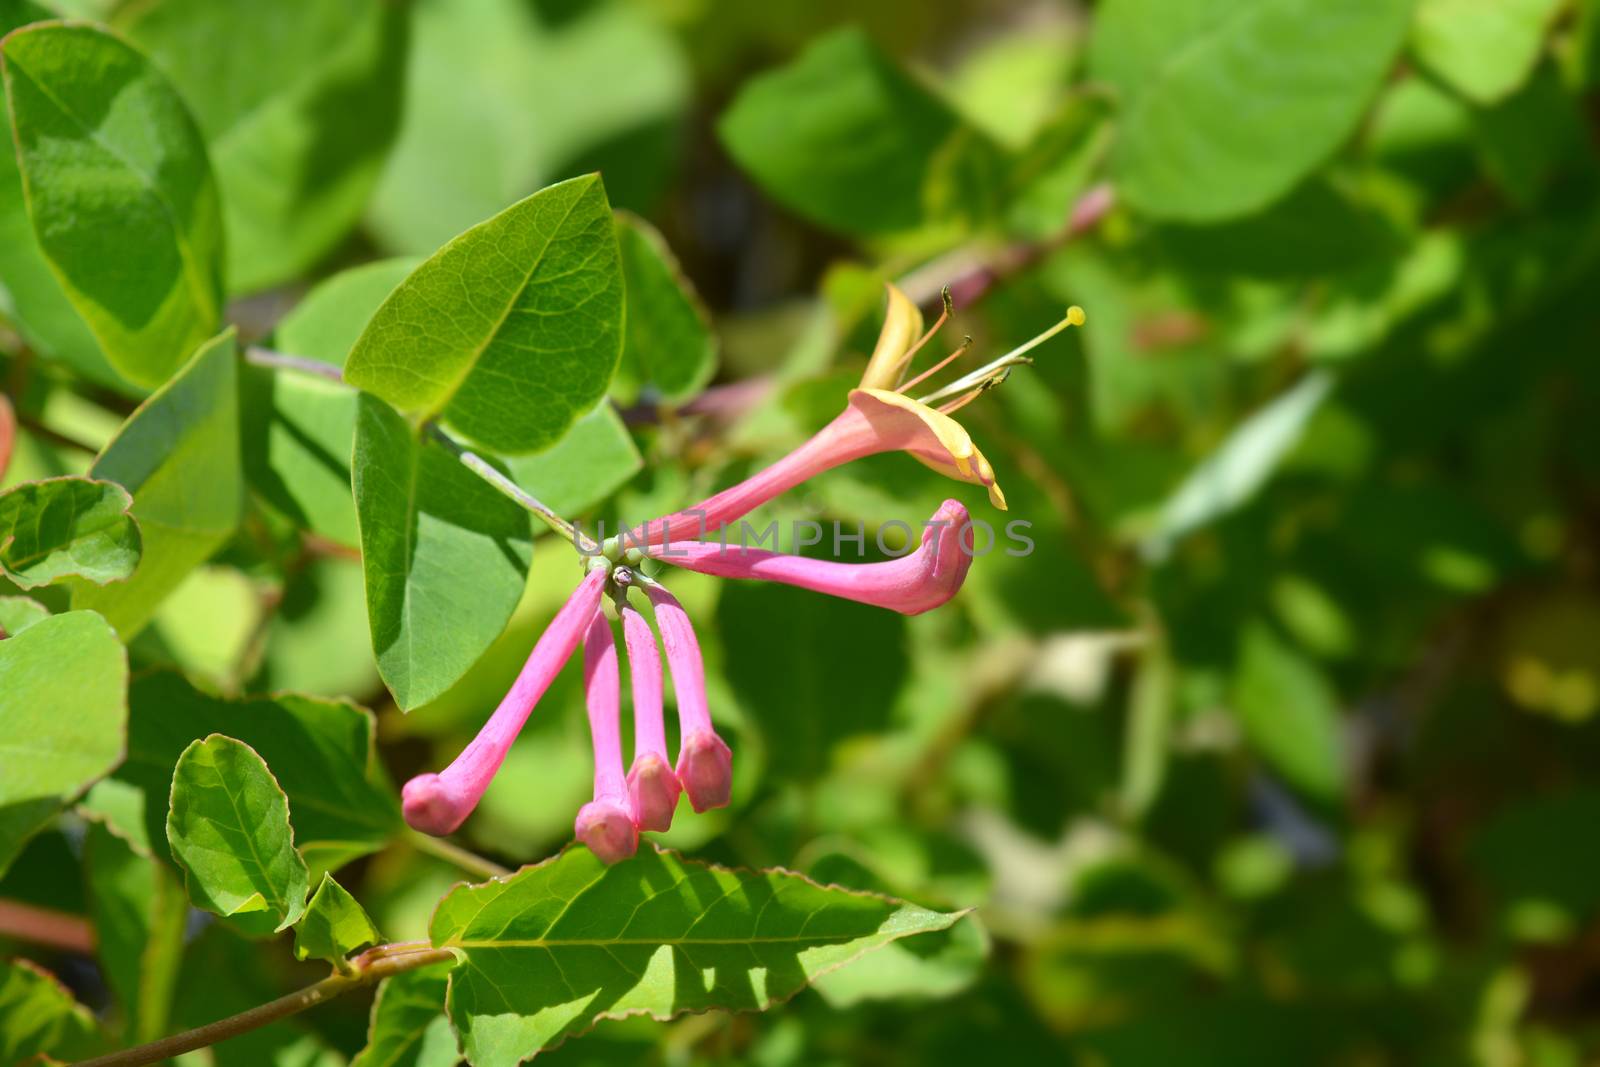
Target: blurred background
{"points": [[1281, 748]]}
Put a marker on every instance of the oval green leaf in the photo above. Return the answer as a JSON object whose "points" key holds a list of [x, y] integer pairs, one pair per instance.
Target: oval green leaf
{"points": [[67, 527], [334, 925]]}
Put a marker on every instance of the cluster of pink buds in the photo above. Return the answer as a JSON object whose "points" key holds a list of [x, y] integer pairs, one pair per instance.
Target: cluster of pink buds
{"points": [[880, 416]]}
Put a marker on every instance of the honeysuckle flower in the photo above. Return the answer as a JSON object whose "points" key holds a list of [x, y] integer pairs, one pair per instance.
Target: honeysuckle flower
{"points": [[606, 823], [880, 415], [438, 803], [914, 583], [705, 764], [652, 785]]}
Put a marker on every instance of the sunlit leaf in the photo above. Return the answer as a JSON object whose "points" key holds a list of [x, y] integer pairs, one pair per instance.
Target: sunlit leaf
{"points": [[67, 527], [409, 1027], [334, 924]]}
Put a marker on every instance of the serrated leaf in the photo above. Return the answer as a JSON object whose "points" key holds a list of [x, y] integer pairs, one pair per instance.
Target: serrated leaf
{"points": [[63, 716], [1240, 466], [1289, 712], [409, 1027], [139, 913], [669, 348], [1227, 104], [17, 613], [115, 172], [446, 556], [178, 454], [321, 752], [297, 143], [1484, 49], [334, 924], [841, 135], [39, 1017], [67, 527], [229, 832], [512, 330], [594, 460], [936, 965], [552, 949]]}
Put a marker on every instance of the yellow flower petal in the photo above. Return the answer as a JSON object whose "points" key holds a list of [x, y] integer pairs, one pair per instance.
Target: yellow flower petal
{"points": [[902, 325], [933, 437]]}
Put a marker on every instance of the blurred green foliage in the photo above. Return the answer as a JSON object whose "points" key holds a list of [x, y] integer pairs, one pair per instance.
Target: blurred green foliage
{"points": [[1277, 749]]}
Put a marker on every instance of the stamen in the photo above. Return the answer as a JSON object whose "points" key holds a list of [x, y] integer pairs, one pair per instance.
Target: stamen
{"points": [[945, 312], [1013, 358], [960, 351], [958, 404]]}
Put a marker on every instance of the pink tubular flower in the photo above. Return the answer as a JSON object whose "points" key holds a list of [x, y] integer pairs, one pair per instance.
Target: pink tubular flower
{"points": [[605, 824], [652, 786], [438, 803], [912, 584], [705, 765]]}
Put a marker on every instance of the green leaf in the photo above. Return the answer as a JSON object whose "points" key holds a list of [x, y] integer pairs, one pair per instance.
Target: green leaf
{"points": [[1240, 466], [589, 464], [1227, 104], [557, 946], [409, 1027], [229, 831], [841, 135], [600, 78], [115, 172], [67, 527], [63, 714], [179, 456], [39, 1018], [297, 142], [669, 348], [1484, 49], [333, 926], [322, 749], [446, 556], [1289, 712], [939, 964], [17, 613], [298, 428], [139, 913], [512, 330]]}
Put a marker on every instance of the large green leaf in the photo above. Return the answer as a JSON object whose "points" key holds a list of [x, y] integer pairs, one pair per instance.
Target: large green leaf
{"points": [[63, 716], [229, 831], [409, 1027], [297, 140], [320, 751], [842, 135], [512, 330], [139, 913], [39, 1018], [552, 949], [65, 527], [1289, 712], [595, 458], [179, 456], [501, 100], [446, 556], [334, 924], [1227, 104], [1484, 49], [669, 347], [115, 173]]}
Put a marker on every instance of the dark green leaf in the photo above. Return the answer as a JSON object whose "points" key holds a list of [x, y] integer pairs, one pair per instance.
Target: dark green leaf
{"points": [[409, 1027], [67, 527], [669, 348], [139, 912], [555, 947], [39, 1017], [229, 831], [63, 716], [841, 135], [297, 142], [321, 752], [179, 456], [512, 330], [115, 172], [334, 924], [446, 556], [1289, 712], [1227, 104]]}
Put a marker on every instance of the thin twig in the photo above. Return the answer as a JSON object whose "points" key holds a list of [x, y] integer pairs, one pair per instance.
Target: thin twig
{"points": [[266, 357], [485, 470], [470, 862], [45, 433], [43, 926]]}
